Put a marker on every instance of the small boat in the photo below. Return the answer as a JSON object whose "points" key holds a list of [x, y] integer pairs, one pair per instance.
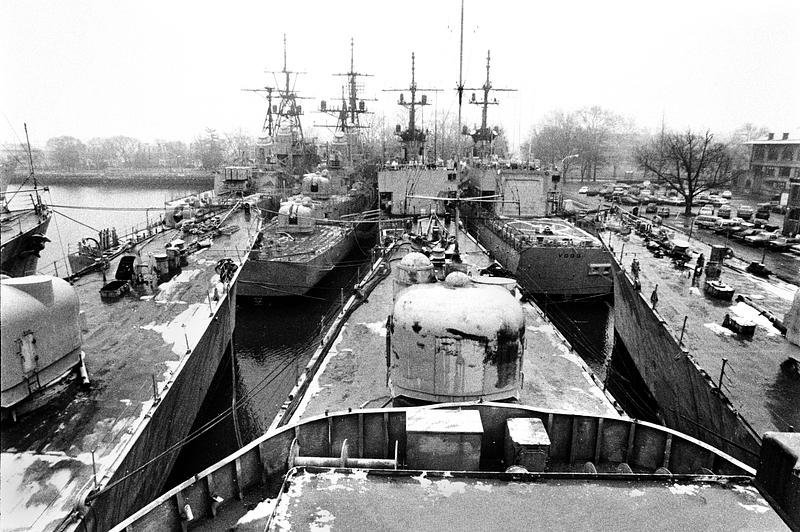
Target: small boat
{"points": [[718, 290]]}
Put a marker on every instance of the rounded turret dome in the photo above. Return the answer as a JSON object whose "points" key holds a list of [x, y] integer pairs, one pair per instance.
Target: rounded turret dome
{"points": [[316, 185], [294, 216], [414, 268], [472, 335]]}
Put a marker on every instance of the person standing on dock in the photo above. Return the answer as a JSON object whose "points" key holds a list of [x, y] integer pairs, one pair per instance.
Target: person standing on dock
{"points": [[654, 297]]}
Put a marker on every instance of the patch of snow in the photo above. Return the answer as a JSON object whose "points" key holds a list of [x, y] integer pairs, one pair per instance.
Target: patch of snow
{"points": [[322, 520], [719, 329], [262, 511], [635, 493], [359, 474], [480, 486], [684, 489], [757, 508], [189, 324], [379, 327], [424, 482], [447, 487], [314, 387], [743, 310]]}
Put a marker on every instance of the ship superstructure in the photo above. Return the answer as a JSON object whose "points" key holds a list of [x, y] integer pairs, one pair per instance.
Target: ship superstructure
{"points": [[283, 152], [413, 172], [317, 228], [344, 157]]}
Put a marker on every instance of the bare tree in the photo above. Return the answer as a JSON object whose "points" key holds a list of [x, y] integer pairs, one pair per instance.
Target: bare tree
{"points": [[688, 163], [556, 138], [67, 153], [238, 146]]}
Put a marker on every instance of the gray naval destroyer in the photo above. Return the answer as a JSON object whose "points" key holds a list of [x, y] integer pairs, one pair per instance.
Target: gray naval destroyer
{"points": [[309, 233], [439, 397], [512, 210]]}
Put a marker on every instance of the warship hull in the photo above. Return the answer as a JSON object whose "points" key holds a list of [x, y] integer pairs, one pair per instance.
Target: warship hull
{"points": [[554, 271], [296, 272], [19, 254]]}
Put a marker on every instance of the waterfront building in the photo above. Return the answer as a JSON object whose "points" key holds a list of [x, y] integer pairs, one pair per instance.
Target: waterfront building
{"points": [[774, 164]]}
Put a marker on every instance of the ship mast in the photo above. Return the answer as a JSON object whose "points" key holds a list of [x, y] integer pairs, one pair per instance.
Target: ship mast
{"points": [[288, 108], [413, 138], [349, 111], [484, 136]]}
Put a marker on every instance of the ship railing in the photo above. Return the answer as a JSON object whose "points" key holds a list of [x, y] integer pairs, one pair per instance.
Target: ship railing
{"points": [[620, 448]]}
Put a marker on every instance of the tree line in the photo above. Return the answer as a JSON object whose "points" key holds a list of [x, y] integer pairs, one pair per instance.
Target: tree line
{"points": [[208, 151], [585, 144]]}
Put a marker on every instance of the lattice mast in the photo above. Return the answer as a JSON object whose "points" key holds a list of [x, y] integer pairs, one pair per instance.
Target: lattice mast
{"points": [[484, 136], [413, 137]]}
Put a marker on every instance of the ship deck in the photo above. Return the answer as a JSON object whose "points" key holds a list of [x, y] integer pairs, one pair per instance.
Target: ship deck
{"points": [[753, 380], [357, 501], [15, 223], [552, 232], [354, 373], [134, 344], [299, 248]]}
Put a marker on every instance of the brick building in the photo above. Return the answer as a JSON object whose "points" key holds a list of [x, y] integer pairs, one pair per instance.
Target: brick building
{"points": [[774, 164]]}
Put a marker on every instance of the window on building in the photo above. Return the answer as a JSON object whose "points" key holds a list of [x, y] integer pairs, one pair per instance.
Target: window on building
{"points": [[772, 153], [786, 154], [785, 172], [758, 153]]}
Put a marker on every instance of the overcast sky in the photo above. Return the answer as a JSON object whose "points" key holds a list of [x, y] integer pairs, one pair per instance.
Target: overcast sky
{"points": [[167, 70]]}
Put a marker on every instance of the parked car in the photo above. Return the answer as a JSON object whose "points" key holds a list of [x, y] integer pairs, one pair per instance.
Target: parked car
{"points": [[651, 208], [741, 235], [729, 227], [761, 238], [706, 210], [727, 194], [583, 190], [678, 201], [706, 221], [745, 212], [628, 200], [762, 211], [724, 211], [716, 200], [664, 212], [782, 243], [592, 191]]}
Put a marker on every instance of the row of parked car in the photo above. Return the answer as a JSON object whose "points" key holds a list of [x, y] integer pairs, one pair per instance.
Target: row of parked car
{"points": [[757, 234]]}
